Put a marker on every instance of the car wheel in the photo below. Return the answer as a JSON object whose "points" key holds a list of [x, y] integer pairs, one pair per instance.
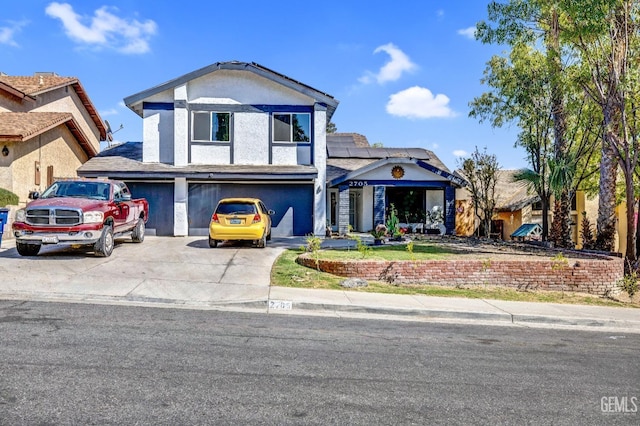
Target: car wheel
{"points": [[269, 236], [213, 243], [137, 235], [25, 249], [262, 242], [104, 246]]}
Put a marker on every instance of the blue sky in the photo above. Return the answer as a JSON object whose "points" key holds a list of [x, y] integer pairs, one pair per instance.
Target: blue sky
{"points": [[404, 72]]}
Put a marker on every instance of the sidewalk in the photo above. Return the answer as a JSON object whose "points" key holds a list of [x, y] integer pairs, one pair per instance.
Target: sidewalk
{"points": [[198, 280]]}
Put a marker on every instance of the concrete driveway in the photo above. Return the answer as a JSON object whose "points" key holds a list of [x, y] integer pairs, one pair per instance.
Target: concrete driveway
{"points": [[160, 269]]}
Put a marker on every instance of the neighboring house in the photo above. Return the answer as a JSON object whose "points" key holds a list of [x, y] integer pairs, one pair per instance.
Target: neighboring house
{"points": [[364, 182], [228, 129], [517, 204], [48, 128]]}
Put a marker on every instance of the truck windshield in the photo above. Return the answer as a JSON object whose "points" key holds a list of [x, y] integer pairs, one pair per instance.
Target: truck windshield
{"points": [[93, 190]]}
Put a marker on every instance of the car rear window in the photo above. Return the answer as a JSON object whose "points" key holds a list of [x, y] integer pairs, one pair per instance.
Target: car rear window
{"points": [[236, 208]]}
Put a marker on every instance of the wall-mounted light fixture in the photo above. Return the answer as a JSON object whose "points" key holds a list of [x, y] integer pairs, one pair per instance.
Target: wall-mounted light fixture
{"points": [[5, 151]]}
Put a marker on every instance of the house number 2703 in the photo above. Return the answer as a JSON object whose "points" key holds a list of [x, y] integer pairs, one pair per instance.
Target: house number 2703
{"points": [[358, 183]]}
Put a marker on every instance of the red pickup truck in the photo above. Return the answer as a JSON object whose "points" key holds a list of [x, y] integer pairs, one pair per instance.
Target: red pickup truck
{"points": [[84, 212]]}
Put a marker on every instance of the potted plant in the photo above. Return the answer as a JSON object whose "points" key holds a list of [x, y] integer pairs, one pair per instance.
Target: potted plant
{"points": [[393, 222], [378, 234]]}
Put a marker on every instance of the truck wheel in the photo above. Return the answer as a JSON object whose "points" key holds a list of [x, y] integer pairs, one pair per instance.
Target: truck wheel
{"points": [[25, 249], [137, 235], [104, 246], [213, 243]]}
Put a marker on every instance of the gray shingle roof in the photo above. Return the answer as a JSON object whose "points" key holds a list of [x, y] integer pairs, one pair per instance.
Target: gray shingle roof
{"points": [[124, 161]]}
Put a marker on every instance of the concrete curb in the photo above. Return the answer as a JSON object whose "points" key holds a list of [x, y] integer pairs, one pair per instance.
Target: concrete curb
{"points": [[341, 310]]}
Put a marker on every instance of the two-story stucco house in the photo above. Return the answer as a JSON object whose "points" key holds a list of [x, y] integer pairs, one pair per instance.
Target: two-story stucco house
{"points": [[228, 129], [240, 129]]}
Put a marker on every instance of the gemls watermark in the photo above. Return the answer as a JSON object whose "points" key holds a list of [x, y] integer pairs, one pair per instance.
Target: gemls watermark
{"points": [[619, 404]]}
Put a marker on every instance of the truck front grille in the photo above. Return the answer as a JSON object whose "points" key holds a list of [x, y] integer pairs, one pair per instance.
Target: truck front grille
{"points": [[54, 217]]}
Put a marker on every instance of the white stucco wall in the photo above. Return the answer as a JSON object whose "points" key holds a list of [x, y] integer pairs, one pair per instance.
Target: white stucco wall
{"points": [[180, 208], [250, 138], [181, 128], [285, 155], [242, 87], [210, 154], [411, 172], [320, 162], [151, 136], [367, 209]]}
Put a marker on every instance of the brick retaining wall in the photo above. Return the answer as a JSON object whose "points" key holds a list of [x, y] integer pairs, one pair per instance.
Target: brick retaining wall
{"points": [[596, 276]]}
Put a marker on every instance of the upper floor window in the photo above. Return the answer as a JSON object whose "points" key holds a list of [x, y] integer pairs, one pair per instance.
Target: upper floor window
{"points": [[291, 127], [211, 126]]}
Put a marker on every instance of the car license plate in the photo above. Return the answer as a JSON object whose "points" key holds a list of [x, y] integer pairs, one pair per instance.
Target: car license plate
{"points": [[50, 239], [235, 221]]}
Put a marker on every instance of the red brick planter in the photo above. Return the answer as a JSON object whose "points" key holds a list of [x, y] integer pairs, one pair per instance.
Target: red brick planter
{"points": [[596, 276]]}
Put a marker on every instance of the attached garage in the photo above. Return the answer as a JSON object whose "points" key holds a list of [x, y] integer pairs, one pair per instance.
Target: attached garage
{"points": [[292, 202], [160, 198]]}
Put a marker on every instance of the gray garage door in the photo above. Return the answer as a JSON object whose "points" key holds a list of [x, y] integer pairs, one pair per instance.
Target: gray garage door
{"points": [[160, 198], [293, 204]]}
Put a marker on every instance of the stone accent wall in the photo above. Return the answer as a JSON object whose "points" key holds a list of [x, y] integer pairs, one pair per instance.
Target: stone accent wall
{"points": [[596, 276]]}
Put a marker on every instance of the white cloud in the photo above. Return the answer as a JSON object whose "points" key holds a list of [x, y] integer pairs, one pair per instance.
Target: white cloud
{"points": [[469, 33], [419, 102], [8, 33], [393, 69], [460, 153], [106, 29], [109, 112]]}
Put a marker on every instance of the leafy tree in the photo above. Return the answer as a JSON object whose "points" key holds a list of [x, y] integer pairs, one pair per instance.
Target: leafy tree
{"points": [[535, 89], [481, 171], [331, 127], [519, 93], [605, 35]]}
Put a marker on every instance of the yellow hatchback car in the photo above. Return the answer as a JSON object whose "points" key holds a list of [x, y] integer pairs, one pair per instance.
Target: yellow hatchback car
{"points": [[240, 219]]}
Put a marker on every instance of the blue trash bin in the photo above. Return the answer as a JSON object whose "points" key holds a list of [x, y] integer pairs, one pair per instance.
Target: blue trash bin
{"points": [[4, 218]]}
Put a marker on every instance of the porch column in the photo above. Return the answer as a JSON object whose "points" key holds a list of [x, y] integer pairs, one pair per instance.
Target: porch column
{"points": [[450, 209], [343, 209], [378, 205], [180, 218], [180, 127]]}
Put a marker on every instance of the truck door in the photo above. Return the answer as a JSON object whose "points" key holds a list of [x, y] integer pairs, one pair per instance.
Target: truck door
{"points": [[122, 209]]}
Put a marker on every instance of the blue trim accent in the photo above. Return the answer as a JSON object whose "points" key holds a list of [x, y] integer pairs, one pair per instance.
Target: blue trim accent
{"points": [[285, 108], [450, 209], [379, 202], [355, 183], [446, 175], [158, 106]]}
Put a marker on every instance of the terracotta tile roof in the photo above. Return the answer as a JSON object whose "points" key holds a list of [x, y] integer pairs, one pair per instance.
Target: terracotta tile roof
{"points": [[33, 85], [20, 126]]}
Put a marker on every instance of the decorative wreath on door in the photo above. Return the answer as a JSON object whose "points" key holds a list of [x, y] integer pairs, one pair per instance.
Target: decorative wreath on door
{"points": [[397, 172]]}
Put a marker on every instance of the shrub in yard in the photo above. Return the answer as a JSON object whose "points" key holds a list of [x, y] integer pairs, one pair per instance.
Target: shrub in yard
{"points": [[629, 283], [8, 198]]}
